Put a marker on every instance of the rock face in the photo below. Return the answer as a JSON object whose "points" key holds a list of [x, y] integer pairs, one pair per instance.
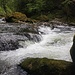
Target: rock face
{"points": [[12, 33], [72, 50], [9, 45], [44, 66], [9, 41]]}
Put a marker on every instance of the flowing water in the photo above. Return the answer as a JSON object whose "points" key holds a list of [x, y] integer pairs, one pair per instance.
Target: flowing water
{"points": [[54, 44]]}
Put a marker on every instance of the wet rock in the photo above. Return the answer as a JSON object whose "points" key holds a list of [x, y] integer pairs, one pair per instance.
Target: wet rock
{"points": [[29, 20], [71, 24], [12, 33], [9, 41], [30, 36], [33, 37], [44, 66], [9, 45], [2, 20], [72, 50], [16, 17], [56, 21]]}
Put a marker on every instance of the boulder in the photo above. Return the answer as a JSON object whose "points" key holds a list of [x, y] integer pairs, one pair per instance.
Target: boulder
{"points": [[16, 17], [9, 45], [44, 66], [72, 50]]}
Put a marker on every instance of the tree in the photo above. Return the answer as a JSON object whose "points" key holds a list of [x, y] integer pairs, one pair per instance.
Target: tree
{"points": [[29, 7], [69, 8]]}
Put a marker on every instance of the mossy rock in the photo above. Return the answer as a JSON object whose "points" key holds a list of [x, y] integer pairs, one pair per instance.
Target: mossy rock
{"points": [[29, 20], [44, 66], [16, 17], [43, 18]]}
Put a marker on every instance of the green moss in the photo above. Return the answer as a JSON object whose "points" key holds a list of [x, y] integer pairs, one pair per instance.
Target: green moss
{"points": [[43, 18], [44, 66], [16, 17]]}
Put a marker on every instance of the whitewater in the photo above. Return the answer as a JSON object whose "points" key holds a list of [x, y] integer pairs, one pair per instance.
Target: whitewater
{"points": [[54, 44]]}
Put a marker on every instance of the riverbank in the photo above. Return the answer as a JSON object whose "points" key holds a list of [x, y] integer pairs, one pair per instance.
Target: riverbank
{"points": [[41, 10], [18, 17]]}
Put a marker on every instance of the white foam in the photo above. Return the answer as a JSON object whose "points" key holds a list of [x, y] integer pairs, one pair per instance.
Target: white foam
{"points": [[53, 46]]}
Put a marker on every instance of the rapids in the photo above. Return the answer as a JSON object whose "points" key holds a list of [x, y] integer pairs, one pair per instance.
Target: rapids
{"points": [[54, 44]]}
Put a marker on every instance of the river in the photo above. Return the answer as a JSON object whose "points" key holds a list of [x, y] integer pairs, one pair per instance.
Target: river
{"points": [[53, 44]]}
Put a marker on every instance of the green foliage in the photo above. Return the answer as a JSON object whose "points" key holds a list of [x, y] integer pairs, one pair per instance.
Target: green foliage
{"points": [[7, 6], [68, 10], [35, 8], [11, 5], [2, 12], [52, 5], [29, 7], [4, 4]]}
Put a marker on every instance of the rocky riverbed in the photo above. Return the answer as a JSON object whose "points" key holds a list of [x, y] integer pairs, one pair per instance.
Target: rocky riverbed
{"points": [[18, 41], [12, 33]]}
